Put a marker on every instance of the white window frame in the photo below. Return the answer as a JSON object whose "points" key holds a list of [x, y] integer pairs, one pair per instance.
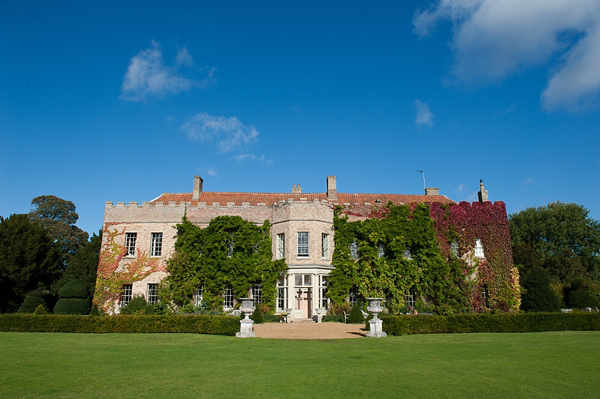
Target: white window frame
{"points": [[380, 250], [484, 295], [281, 246], [130, 241], [454, 249], [406, 254], [197, 297], [126, 294], [324, 299], [228, 298], [354, 253], [156, 245], [409, 299], [303, 244], [256, 293], [282, 292], [152, 293], [478, 251], [353, 295], [325, 245]]}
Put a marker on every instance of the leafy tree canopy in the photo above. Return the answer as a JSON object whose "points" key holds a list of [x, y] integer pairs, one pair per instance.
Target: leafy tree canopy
{"points": [[559, 230], [83, 265], [59, 217], [28, 256]]}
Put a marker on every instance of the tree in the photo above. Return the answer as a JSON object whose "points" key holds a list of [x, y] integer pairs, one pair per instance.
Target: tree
{"points": [[83, 265], [28, 256], [59, 217], [539, 295], [73, 298], [552, 229]]}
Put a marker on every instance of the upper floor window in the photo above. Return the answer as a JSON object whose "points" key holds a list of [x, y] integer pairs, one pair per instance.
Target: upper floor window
{"points": [[454, 249], [381, 250], [479, 248], [325, 245], [280, 246], [230, 249], [156, 248], [130, 239], [126, 292], [303, 244], [152, 294], [407, 254], [354, 250]]}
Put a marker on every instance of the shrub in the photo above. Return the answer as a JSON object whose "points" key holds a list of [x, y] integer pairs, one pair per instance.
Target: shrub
{"points": [[137, 305], [539, 295], [583, 299], [31, 302], [257, 316], [74, 288], [95, 311], [40, 310], [72, 298], [356, 316]]}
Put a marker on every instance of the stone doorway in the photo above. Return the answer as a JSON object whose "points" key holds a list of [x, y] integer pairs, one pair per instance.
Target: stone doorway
{"points": [[304, 302]]}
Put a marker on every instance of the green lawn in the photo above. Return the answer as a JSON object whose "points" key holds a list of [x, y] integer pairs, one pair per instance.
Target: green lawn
{"points": [[534, 365]]}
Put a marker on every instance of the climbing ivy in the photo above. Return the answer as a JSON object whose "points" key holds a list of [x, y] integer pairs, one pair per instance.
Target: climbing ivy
{"points": [[230, 251], [411, 261], [438, 279]]}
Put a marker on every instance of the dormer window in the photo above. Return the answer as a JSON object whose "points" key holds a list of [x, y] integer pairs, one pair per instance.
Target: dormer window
{"points": [[479, 249]]}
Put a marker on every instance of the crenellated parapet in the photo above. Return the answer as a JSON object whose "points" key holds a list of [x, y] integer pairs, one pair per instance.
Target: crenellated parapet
{"points": [[305, 210], [146, 212], [202, 213]]}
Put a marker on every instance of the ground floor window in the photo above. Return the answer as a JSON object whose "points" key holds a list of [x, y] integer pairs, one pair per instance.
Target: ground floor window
{"points": [[353, 296], [257, 293], [409, 299], [282, 293], [198, 296], [228, 298], [324, 299], [152, 294], [484, 296], [126, 294]]}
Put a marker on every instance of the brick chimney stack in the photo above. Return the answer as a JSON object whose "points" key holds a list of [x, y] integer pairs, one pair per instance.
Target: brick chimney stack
{"points": [[296, 189], [483, 193], [331, 188], [432, 191], [198, 182]]}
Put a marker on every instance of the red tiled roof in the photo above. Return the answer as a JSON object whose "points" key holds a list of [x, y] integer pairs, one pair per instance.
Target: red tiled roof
{"points": [[272, 198]]}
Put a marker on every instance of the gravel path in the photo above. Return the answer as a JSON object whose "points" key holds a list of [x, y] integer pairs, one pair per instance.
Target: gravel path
{"points": [[309, 330]]}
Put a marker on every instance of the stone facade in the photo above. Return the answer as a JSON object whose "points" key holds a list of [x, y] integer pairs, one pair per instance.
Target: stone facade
{"points": [[301, 229]]}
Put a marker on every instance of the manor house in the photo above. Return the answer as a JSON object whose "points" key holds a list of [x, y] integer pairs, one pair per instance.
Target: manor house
{"points": [[301, 231]]}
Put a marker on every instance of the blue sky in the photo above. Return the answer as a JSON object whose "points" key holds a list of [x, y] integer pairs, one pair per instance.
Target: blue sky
{"points": [[122, 101]]}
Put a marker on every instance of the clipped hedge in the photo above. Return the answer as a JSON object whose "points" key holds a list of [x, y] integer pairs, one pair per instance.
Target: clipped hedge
{"points": [[497, 323], [203, 324]]}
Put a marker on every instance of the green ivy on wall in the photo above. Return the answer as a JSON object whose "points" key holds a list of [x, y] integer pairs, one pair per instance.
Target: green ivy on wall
{"points": [[398, 254], [230, 251]]}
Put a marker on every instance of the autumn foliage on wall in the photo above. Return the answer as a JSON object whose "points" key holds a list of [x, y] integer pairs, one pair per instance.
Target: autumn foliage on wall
{"points": [[111, 277]]}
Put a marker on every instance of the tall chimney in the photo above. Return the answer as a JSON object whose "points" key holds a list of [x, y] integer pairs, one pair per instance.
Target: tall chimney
{"points": [[296, 189], [483, 193], [198, 182], [432, 191], [331, 188]]}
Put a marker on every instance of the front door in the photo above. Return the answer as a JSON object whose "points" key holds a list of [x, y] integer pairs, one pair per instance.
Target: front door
{"points": [[304, 301]]}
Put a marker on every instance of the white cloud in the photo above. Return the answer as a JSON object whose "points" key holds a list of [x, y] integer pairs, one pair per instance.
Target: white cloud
{"points": [[424, 115], [211, 171], [249, 157], [528, 180], [496, 38], [461, 187], [228, 133], [147, 75]]}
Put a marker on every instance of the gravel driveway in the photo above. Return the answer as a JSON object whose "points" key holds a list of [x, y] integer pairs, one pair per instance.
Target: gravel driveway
{"points": [[309, 330]]}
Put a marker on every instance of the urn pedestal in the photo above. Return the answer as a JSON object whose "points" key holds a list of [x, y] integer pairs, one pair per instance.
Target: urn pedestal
{"points": [[375, 324], [246, 323]]}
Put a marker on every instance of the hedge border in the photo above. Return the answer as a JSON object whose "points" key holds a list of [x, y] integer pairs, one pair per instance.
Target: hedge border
{"points": [[201, 324], [493, 323]]}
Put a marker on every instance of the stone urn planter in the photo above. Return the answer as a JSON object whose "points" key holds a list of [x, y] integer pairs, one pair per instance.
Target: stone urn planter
{"points": [[375, 323], [246, 323]]}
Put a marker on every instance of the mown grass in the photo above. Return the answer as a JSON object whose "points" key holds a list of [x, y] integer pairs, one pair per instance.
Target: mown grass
{"points": [[533, 365]]}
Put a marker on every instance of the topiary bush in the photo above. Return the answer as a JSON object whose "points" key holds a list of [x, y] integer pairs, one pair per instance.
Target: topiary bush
{"points": [[72, 298], [583, 299], [32, 301], [257, 316], [356, 316], [539, 295], [40, 310]]}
